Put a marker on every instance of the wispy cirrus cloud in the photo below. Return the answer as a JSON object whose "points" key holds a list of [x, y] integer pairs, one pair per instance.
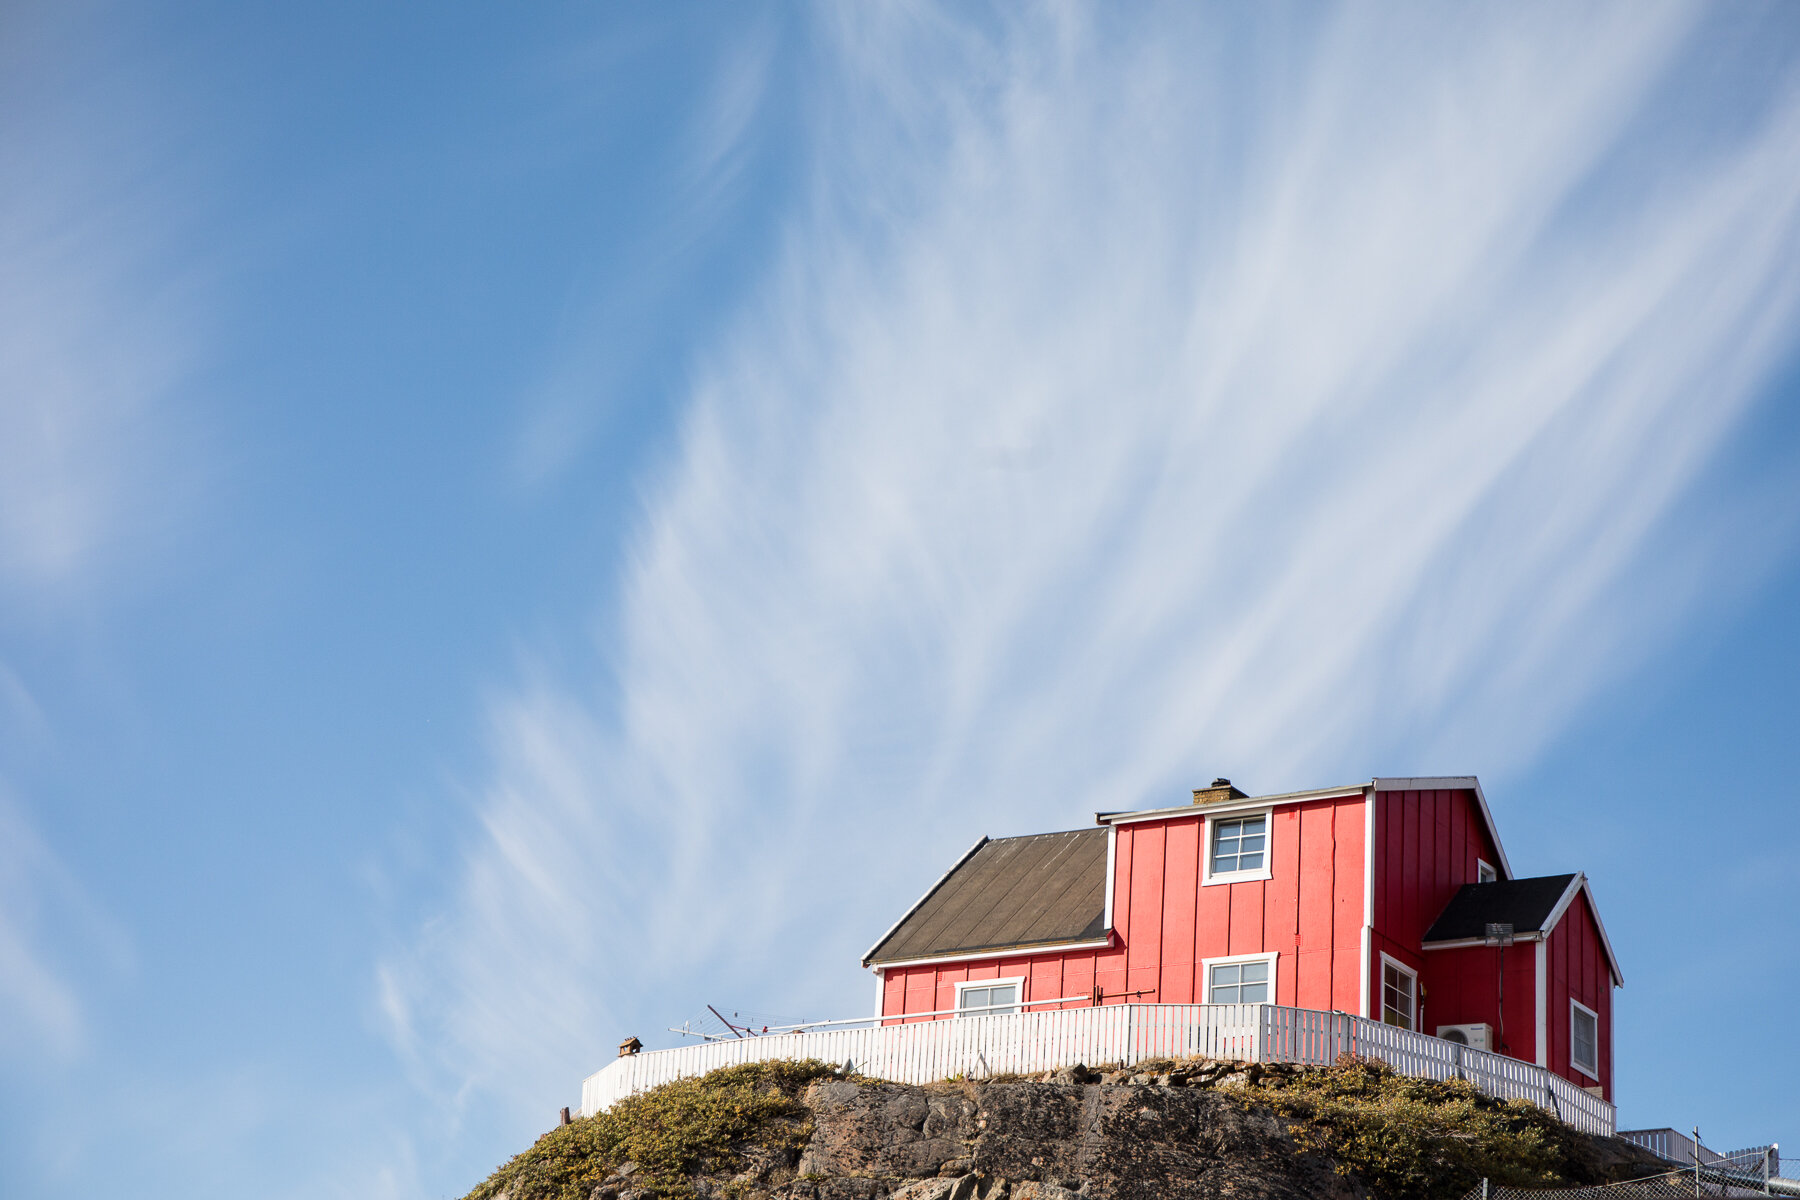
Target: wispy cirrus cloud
{"points": [[43, 1016], [99, 325], [1131, 405], [99, 330], [697, 177]]}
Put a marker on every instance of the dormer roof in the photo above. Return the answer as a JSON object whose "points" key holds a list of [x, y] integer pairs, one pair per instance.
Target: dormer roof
{"points": [[1533, 907]]}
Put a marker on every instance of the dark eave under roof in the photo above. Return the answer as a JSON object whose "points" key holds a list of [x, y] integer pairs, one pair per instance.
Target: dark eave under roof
{"points": [[1524, 903], [1011, 893]]}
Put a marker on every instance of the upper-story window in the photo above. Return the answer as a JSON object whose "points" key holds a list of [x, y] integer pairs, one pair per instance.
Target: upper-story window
{"points": [[1238, 848], [1484, 872], [1584, 1039]]}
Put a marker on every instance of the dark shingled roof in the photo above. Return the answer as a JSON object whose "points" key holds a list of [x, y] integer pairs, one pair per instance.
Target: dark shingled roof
{"points": [[1526, 903], [1040, 890]]}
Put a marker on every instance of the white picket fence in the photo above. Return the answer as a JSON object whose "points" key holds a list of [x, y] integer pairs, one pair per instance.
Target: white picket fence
{"points": [[1126, 1034]]}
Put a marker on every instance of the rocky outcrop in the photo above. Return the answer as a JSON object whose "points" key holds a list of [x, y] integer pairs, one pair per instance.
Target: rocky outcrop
{"points": [[1169, 1130], [1049, 1141]]}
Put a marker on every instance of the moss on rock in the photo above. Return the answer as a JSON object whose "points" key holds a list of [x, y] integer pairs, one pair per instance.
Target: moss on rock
{"points": [[1406, 1137], [713, 1126]]}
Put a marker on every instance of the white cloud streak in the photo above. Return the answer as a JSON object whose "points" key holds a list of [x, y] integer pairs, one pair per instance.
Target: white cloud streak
{"points": [[41, 1015], [97, 328], [1132, 406]]}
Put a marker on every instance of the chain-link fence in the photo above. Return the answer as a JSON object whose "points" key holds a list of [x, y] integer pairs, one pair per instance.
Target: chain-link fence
{"points": [[1675, 1185]]}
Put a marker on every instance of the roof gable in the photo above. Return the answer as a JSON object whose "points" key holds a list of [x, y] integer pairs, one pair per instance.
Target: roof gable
{"points": [[1221, 806], [1534, 907], [1045, 889]]}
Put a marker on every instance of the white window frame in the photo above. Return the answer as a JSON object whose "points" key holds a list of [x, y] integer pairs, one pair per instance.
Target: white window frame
{"points": [[1484, 871], [1388, 960], [1018, 982], [1266, 871], [1591, 1070], [1273, 958]]}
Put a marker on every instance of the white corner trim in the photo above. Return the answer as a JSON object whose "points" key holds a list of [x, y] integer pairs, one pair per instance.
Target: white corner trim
{"points": [[1388, 960], [1017, 981], [1267, 871], [1112, 861], [1272, 957], [1543, 1002], [869, 954], [1368, 921], [1594, 1073], [880, 991]]}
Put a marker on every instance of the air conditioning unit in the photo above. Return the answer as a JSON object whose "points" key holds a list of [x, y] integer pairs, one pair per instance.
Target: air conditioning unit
{"points": [[1476, 1037]]}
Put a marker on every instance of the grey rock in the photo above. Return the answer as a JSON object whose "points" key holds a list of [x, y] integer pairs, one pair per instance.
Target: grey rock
{"points": [[924, 1189], [1121, 1142]]}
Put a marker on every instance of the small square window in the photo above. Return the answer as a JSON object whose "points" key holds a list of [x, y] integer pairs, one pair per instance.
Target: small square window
{"points": [[1584, 1039], [987, 1001], [1238, 983], [1238, 845], [1399, 995], [1484, 873]]}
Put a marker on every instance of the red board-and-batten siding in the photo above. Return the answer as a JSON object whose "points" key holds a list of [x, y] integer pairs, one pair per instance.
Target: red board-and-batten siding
{"points": [[1427, 845], [1311, 913], [1578, 970], [1461, 988], [1167, 923]]}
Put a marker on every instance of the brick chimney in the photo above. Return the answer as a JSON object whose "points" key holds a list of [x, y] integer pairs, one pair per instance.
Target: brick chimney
{"points": [[1220, 791]]}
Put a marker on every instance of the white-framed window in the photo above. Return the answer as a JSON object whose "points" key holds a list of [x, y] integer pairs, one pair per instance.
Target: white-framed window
{"points": [[1240, 979], [1237, 847], [1484, 872], [1399, 994], [1584, 1039], [989, 997]]}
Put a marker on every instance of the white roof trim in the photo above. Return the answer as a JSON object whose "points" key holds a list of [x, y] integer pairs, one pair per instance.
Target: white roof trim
{"points": [[1563, 901], [1433, 783], [1464, 943], [1001, 954], [1562, 907], [1577, 885], [869, 955], [1247, 804]]}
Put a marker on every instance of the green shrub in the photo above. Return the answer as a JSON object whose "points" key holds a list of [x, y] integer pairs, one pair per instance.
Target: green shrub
{"points": [[1420, 1138], [714, 1124]]}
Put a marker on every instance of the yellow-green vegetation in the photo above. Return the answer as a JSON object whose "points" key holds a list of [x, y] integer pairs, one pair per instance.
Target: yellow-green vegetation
{"points": [[713, 1125], [1421, 1138]]}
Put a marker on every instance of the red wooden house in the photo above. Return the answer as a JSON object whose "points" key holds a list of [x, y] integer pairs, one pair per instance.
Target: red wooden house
{"points": [[1391, 899]]}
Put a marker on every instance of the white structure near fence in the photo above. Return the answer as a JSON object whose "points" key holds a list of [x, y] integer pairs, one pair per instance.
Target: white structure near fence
{"points": [[1124, 1034]]}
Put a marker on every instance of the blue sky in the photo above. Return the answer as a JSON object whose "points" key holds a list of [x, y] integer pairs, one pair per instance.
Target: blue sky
{"points": [[518, 523]]}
